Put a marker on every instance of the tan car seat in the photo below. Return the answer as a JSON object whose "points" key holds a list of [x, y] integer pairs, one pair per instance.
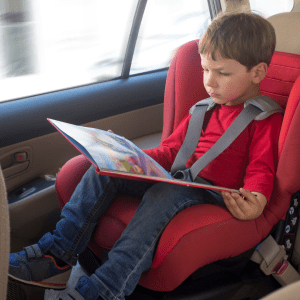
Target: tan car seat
{"points": [[4, 238], [289, 292], [287, 28]]}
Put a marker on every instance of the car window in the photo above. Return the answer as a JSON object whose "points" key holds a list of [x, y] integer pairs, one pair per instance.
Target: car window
{"points": [[268, 8], [165, 26], [56, 44], [52, 45]]}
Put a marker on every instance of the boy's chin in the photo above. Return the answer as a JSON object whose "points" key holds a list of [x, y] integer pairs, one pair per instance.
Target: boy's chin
{"points": [[219, 100]]}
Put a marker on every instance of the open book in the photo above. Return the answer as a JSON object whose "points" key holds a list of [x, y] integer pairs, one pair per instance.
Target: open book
{"points": [[113, 155]]}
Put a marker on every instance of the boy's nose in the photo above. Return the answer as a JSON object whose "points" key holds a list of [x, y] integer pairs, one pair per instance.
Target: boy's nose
{"points": [[210, 80]]}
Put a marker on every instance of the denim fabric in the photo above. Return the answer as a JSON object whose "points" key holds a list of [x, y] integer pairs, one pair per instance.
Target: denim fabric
{"points": [[133, 253]]}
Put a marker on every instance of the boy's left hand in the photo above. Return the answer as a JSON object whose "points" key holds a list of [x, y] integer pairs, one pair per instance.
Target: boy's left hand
{"points": [[248, 208]]}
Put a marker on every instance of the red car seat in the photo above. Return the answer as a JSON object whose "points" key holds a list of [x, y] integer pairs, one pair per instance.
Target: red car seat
{"points": [[203, 234]]}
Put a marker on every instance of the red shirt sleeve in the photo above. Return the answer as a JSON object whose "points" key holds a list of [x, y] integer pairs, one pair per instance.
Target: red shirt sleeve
{"points": [[263, 155], [166, 153]]}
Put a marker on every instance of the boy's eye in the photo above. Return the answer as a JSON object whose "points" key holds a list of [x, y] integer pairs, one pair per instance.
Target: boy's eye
{"points": [[224, 74], [220, 73]]}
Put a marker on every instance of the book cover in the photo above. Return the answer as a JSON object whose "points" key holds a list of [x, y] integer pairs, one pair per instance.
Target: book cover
{"points": [[114, 155]]}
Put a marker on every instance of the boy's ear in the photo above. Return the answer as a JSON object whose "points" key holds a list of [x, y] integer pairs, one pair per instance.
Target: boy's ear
{"points": [[259, 72]]}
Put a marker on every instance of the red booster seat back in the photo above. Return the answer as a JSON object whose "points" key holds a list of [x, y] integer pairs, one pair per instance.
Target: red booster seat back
{"points": [[201, 235]]}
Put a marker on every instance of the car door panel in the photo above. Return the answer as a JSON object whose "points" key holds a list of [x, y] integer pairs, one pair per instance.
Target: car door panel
{"points": [[32, 217], [132, 108], [46, 154], [25, 119]]}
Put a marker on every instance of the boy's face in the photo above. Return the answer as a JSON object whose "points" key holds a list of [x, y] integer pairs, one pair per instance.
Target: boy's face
{"points": [[227, 81]]}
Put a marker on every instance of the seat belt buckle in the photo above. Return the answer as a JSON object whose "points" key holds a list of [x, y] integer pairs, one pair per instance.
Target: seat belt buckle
{"points": [[285, 273], [269, 269], [184, 175]]}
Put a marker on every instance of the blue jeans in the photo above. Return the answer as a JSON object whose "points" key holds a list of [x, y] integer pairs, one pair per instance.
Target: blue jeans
{"points": [[133, 253]]}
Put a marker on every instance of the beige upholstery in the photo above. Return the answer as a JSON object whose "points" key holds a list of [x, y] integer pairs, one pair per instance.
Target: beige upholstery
{"points": [[4, 238], [296, 5], [287, 25], [289, 292], [235, 6], [287, 28]]}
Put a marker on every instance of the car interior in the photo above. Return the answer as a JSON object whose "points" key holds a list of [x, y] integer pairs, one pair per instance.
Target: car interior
{"points": [[203, 253]]}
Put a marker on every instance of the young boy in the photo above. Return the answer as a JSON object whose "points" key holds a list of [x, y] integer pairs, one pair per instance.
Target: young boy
{"points": [[235, 53]]}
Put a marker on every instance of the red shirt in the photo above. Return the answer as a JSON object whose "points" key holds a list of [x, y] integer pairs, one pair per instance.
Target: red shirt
{"points": [[249, 162]]}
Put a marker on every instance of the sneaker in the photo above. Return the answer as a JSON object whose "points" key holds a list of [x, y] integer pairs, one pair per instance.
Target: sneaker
{"points": [[33, 267]]}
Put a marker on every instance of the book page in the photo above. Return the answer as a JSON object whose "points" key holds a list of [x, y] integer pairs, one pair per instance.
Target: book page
{"points": [[110, 151]]}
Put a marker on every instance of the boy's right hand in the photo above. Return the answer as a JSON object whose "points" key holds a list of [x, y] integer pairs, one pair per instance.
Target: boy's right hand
{"points": [[248, 208], [110, 131]]}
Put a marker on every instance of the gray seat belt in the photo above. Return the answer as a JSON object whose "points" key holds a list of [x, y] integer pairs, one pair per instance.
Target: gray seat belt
{"points": [[271, 258], [191, 138], [179, 170]]}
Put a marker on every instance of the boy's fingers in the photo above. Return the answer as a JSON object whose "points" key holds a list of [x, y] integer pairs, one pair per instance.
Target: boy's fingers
{"points": [[249, 197], [243, 209], [236, 200], [247, 194], [236, 212], [244, 205], [234, 206]]}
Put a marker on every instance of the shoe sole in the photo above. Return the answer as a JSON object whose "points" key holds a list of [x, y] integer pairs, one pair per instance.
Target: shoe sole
{"points": [[50, 283]]}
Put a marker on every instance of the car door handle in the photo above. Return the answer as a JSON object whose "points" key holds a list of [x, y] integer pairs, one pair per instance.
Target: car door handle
{"points": [[16, 161], [15, 169]]}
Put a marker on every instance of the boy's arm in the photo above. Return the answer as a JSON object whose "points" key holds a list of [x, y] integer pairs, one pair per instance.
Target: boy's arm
{"points": [[263, 155], [260, 173], [248, 208]]}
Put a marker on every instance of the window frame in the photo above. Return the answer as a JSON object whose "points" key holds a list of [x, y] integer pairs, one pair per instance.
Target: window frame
{"points": [[135, 28], [214, 8]]}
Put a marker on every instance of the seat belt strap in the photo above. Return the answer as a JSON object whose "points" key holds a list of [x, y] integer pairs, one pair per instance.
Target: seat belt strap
{"points": [[258, 108], [270, 256], [191, 138], [193, 135], [240, 123]]}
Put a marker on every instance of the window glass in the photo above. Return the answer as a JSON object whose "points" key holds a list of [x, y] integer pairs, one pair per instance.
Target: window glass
{"points": [[165, 26], [268, 8], [50, 45]]}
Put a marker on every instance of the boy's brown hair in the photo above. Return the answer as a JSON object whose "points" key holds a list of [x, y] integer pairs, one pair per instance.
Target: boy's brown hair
{"points": [[245, 37]]}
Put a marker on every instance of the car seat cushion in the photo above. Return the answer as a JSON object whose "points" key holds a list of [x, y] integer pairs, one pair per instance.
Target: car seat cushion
{"points": [[287, 176], [214, 242], [206, 225], [183, 86], [68, 178], [283, 71]]}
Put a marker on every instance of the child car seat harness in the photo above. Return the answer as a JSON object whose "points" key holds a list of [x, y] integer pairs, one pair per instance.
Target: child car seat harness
{"points": [[269, 255], [256, 108]]}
